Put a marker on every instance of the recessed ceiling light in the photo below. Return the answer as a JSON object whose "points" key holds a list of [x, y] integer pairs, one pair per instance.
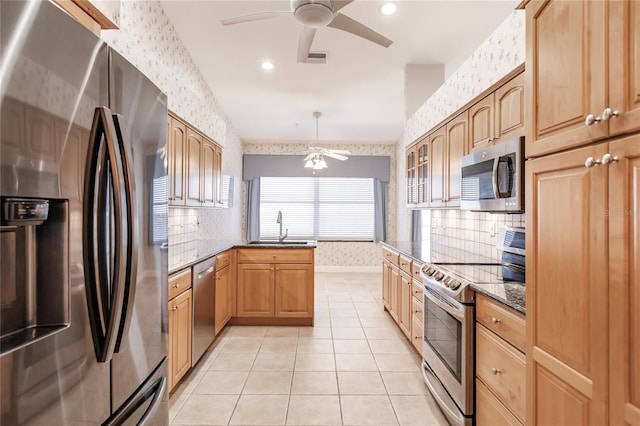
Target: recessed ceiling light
{"points": [[267, 65], [388, 8]]}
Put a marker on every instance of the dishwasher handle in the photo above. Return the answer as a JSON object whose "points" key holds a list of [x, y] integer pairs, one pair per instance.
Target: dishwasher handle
{"points": [[206, 272]]}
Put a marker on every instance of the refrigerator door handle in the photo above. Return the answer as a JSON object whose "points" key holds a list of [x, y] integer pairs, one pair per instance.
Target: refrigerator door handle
{"points": [[155, 391], [103, 250], [130, 218]]}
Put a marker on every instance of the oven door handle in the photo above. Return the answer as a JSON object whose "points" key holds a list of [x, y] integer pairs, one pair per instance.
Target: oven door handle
{"points": [[457, 312]]}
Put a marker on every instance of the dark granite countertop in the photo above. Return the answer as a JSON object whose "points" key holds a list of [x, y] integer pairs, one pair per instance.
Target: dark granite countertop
{"points": [[511, 295], [210, 248]]}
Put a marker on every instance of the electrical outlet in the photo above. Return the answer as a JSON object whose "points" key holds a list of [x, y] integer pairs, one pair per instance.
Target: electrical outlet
{"points": [[493, 228]]}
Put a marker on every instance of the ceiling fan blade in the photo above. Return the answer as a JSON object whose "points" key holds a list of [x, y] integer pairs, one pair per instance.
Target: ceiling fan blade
{"points": [[304, 45], [309, 156], [336, 156], [339, 4], [340, 151], [344, 23], [255, 17]]}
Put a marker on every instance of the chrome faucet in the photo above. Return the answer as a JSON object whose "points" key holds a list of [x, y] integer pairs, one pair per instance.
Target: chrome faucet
{"points": [[279, 220]]}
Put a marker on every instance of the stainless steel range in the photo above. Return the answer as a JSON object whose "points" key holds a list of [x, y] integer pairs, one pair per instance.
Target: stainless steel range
{"points": [[449, 318]]}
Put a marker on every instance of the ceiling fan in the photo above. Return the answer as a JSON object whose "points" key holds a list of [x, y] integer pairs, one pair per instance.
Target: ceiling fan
{"points": [[314, 14], [315, 154]]}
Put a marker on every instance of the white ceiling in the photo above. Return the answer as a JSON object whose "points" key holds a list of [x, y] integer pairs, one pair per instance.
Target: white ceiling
{"points": [[360, 90]]}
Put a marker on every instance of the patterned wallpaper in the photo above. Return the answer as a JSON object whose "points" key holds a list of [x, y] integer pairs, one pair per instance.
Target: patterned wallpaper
{"points": [[148, 40], [500, 53]]}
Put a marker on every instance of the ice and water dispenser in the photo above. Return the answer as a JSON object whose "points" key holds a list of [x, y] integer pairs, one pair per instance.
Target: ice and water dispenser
{"points": [[34, 291]]}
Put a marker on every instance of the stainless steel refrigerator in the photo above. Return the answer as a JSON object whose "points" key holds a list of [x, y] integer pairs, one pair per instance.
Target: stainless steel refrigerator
{"points": [[83, 230]]}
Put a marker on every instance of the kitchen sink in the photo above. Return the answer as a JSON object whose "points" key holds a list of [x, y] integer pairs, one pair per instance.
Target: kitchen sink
{"points": [[276, 242]]}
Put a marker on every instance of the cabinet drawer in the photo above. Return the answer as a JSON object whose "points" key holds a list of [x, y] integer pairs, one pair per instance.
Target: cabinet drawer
{"points": [[223, 259], [416, 290], [490, 411], [415, 269], [179, 282], [405, 264], [275, 256], [390, 255], [503, 321], [502, 368], [417, 331], [416, 308]]}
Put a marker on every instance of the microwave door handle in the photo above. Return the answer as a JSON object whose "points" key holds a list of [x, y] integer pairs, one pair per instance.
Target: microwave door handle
{"points": [[496, 191]]}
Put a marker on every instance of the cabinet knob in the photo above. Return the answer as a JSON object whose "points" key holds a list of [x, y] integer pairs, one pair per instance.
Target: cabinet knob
{"points": [[492, 138], [274, 256], [608, 113], [495, 320], [495, 371], [591, 120], [590, 162], [176, 286], [608, 158]]}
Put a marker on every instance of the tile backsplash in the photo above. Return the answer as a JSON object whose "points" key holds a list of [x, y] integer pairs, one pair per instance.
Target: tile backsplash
{"points": [[183, 236], [465, 231]]}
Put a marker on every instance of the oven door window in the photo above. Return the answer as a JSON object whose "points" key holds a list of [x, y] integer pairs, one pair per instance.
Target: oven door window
{"points": [[443, 333]]}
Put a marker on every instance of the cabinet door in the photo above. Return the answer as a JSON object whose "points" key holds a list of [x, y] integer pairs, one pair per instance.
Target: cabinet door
{"points": [[624, 65], [217, 175], [509, 103], [255, 290], [207, 173], [566, 68], [567, 289], [422, 158], [624, 271], [180, 317], [437, 151], [222, 298], [394, 280], [481, 123], [404, 304], [294, 291], [411, 176], [386, 284], [457, 138], [490, 411], [176, 144], [193, 164]]}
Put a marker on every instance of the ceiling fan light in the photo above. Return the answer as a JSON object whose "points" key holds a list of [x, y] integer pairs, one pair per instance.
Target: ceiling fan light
{"points": [[308, 164], [322, 164], [314, 15]]}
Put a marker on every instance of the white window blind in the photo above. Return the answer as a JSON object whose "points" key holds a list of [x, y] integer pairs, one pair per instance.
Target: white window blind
{"points": [[322, 208]]}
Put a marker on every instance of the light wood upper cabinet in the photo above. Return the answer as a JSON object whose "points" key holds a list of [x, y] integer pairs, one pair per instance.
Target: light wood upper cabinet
{"points": [[624, 281], [412, 181], [481, 123], [437, 167], [457, 137], [208, 176], [567, 289], [194, 167], [180, 335], [294, 290], [176, 146], [422, 169], [509, 109], [624, 65], [566, 77]]}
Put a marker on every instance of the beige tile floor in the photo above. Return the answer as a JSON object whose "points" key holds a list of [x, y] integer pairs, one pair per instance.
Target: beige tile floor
{"points": [[354, 367]]}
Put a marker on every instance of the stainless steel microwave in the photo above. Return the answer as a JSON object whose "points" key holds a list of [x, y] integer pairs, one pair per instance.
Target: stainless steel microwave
{"points": [[493, 179]]}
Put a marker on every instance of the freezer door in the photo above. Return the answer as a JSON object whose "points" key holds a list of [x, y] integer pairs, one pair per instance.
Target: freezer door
{"points": [[52, 80], [141, 122]]}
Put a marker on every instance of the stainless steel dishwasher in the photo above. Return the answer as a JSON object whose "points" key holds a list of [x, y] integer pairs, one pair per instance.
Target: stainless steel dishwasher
{"points": [[204, 285]]}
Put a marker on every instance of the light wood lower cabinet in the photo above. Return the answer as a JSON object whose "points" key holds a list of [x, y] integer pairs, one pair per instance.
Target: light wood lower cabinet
{"points": [[276, 284], [500, 366], [180, 331], [404, 305], [224, 289]]}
